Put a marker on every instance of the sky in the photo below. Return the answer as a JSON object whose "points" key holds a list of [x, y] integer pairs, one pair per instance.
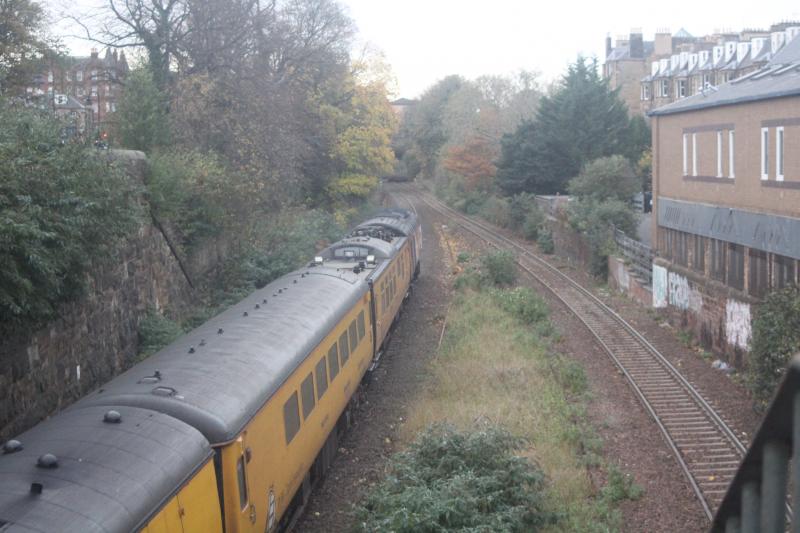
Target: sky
{"points": [[426, 40]]}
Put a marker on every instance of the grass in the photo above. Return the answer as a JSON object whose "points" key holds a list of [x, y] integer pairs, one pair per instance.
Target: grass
{"points": [[496, 369]]}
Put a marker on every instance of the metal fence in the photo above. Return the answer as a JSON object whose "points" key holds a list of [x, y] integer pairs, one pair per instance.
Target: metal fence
{"points": [[757, 497], [638, 255]]}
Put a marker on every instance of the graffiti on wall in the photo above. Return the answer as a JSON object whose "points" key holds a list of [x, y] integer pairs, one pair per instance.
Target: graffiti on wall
{"points": [[678, 290], [738, 327], [659, 286]]}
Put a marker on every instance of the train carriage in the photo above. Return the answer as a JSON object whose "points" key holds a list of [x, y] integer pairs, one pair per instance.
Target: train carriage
{"points": [[267, 383]]}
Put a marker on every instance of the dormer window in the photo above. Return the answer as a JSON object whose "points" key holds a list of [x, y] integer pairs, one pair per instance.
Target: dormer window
{"points": [[645, 91], [680, 88]]}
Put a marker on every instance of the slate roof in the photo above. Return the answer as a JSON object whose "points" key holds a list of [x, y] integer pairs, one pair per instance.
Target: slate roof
{"points": [[780, 77]]}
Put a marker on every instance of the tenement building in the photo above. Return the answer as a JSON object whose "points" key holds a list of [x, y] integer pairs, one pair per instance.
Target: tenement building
{"points": [[726, 192], [650, 74], [85, 89]]}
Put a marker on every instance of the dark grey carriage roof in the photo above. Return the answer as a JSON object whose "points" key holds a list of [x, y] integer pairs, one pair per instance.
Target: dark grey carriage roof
{"points": [[779, 78], [377, 247], [401, 220], [110, 477], [216, 381]]}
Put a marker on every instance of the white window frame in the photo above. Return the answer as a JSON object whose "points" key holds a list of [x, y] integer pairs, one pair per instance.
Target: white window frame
{"points": [[79, 75], [680, 88], [779, 155], [664, 88], [731, 150], [685, 154], [694, 154], [764, 153], [719, 153]]}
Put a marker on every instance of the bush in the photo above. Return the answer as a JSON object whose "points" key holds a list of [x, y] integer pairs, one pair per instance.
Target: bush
{"points": [[451, 481], [499, 268], [534, 221], [597, 220], [520, 205], [64, 207], [198, 194], [155, 332], [141, 120], [496, 210], [776, 338], [522, 303], [607, 178], [545, 242]]}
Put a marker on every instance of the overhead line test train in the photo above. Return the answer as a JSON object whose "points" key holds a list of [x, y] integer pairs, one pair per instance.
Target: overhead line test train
{"points": [[227, 428]]}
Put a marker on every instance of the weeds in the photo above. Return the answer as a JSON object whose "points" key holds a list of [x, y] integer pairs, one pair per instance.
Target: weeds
{"points": [[155, 332]]}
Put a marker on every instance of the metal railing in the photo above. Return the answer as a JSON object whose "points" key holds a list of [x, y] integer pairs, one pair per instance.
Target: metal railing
{"points": [[756, 500], [638, 255]]}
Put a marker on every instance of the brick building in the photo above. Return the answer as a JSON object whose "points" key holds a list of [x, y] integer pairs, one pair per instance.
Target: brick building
{"points": [[92, 82], [726, 192], [650, 74]]}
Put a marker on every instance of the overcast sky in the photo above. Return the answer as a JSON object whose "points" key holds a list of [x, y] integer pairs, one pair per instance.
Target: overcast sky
{"points": [[426, 40]]}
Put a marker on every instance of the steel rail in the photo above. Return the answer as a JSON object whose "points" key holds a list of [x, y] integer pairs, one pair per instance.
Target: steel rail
{"points": [[719, 435]]}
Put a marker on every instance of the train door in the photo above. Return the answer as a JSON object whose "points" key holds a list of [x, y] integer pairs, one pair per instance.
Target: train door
{"points": [[240, 511]]}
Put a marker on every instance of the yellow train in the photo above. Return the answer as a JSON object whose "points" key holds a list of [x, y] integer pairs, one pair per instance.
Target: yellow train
{"points": [[227, 428]]}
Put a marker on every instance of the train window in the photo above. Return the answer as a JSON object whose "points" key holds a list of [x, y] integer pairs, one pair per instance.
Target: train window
{"points": [[291, 417], [333, 360], [344, 349], [322, 378], [242, 482], [361, 327], [307, 392], [353, 336]]}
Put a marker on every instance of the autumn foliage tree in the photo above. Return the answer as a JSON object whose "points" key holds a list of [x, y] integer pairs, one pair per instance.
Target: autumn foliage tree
{"points": [[474, 162]]}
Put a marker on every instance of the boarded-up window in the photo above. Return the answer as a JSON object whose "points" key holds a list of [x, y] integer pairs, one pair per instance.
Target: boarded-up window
{"points": [[333, 360], [735, 277], [784, 271], [759, 275], [361, 326], [291, 417], [307, 392], [718, 262], [344, 349], [322, 378], [699, 257], [353, 335]]}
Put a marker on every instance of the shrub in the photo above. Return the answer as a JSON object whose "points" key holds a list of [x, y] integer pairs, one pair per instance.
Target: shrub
{"points": [[499, 268], [545, 242], [451, 481], [522, 303], [597, 220], [519, 206], [155, 332], [534, 221], [776, 338], [64, 207], [607, 178], [463, 257], [496, 211]]}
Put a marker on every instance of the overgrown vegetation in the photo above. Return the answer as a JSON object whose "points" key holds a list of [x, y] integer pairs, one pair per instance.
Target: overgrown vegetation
{"points": [[497, 369], [65, 207], [450, 480], [155, 332], [776, 338]]}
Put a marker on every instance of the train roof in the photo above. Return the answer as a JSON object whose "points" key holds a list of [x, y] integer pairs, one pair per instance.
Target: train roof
{"points": [[219, 375], [109, 476], [352, 248], [401, 220]]}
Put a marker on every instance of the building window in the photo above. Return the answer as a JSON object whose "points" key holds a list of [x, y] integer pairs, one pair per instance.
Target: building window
{"points": [[69, 76], [94, 75], [764, 153], [759, 276], [779, 153], [94, 90], [49, 76], [783, 271], [665, 88], [706, 81], [699, 257], [719, 154], [685, 154], [735, 276], [694, 154], [717, 255], [731, 144], [680, 88], [79, 75], [645, 91], [113, 107]]}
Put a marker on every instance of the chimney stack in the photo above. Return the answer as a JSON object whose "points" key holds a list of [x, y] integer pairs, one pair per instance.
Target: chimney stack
{"points": [[608, 45], [637, 45]]}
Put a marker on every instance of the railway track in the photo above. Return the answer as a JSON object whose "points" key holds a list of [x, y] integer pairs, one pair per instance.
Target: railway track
{"points": [[706, 448]]}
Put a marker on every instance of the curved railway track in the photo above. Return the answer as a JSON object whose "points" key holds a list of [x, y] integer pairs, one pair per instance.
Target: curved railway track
{"points": [[706, 448]]}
